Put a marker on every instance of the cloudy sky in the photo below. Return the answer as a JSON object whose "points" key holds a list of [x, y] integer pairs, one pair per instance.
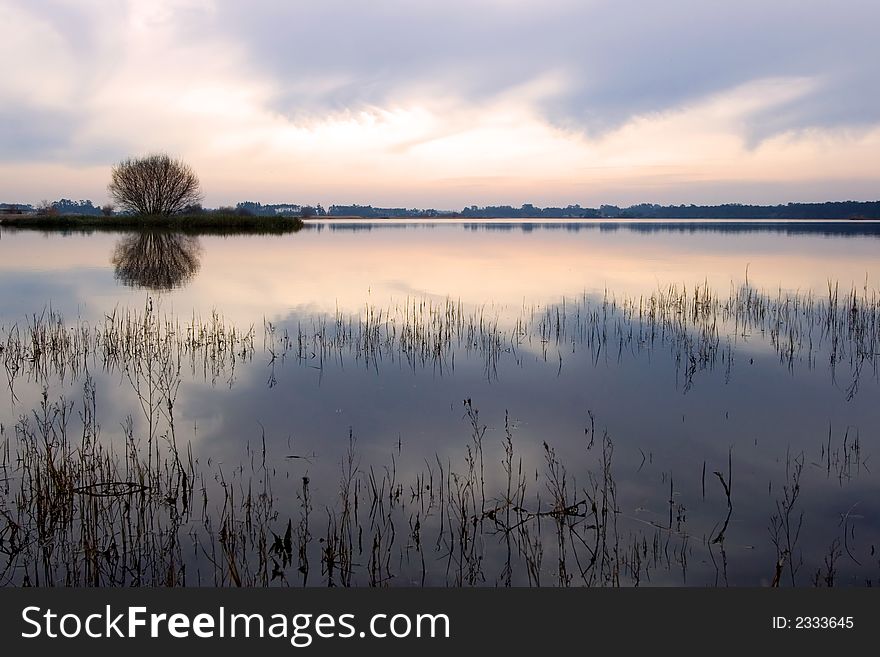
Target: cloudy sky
{"points": [[442, 104]]}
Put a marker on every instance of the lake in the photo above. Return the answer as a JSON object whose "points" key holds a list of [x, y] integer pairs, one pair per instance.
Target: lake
{"points": [[443, 403]]}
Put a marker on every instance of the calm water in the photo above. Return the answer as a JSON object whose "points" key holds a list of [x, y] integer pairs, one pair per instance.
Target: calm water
{"points": [[701, 379]]}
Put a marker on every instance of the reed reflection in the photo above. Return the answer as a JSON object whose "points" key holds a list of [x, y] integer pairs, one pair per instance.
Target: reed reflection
{"points": [[156, 260]]}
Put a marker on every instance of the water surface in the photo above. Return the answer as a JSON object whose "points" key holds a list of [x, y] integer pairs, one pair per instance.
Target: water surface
{"points": [[714, 384]]}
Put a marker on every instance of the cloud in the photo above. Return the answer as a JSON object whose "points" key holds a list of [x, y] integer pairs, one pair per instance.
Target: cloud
{"points": [[446, 103], [620, 58]]}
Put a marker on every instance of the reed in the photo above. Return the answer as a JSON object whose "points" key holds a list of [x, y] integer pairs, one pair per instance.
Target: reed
{"points": [[79, 510], [139, 506]]}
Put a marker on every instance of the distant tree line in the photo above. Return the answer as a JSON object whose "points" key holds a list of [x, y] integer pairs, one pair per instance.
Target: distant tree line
{"points": [[827, 210], [280, 209], [529, 211], [369, 212], [62, 206]]}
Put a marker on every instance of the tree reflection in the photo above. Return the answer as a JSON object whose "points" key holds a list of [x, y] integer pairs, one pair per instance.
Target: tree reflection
{"points": [[156, 260]]}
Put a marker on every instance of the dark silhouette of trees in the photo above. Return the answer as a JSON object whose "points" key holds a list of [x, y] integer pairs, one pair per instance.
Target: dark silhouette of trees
{"points": [[827, 210], [156, 260], [46, 209], [81, 207], [154, 185], [194, 208]]}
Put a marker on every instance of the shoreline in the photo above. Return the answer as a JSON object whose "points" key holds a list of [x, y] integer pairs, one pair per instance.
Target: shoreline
{"points": [[230, 224]]}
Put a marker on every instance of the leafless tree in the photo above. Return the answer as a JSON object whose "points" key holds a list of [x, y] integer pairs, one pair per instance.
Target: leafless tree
{"points": [[154, 185], [46, 209]]}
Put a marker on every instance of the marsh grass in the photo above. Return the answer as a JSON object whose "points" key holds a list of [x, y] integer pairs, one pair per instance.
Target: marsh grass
{"points": [[139, 507], [44, 347], [77, 509], [698, 328]]}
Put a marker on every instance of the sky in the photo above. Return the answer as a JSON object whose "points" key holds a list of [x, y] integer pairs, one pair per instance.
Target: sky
{"points": [[446, 104]]}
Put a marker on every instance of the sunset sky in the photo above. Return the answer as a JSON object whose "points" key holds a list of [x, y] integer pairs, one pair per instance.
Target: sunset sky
{"points": [[430, 104]]}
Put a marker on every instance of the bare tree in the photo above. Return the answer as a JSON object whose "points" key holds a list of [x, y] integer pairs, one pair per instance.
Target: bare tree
{"points": [[156, 185], [46, 209]]}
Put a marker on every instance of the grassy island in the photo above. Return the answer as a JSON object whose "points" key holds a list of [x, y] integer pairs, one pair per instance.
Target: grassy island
{"points": [[205, 222]]}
